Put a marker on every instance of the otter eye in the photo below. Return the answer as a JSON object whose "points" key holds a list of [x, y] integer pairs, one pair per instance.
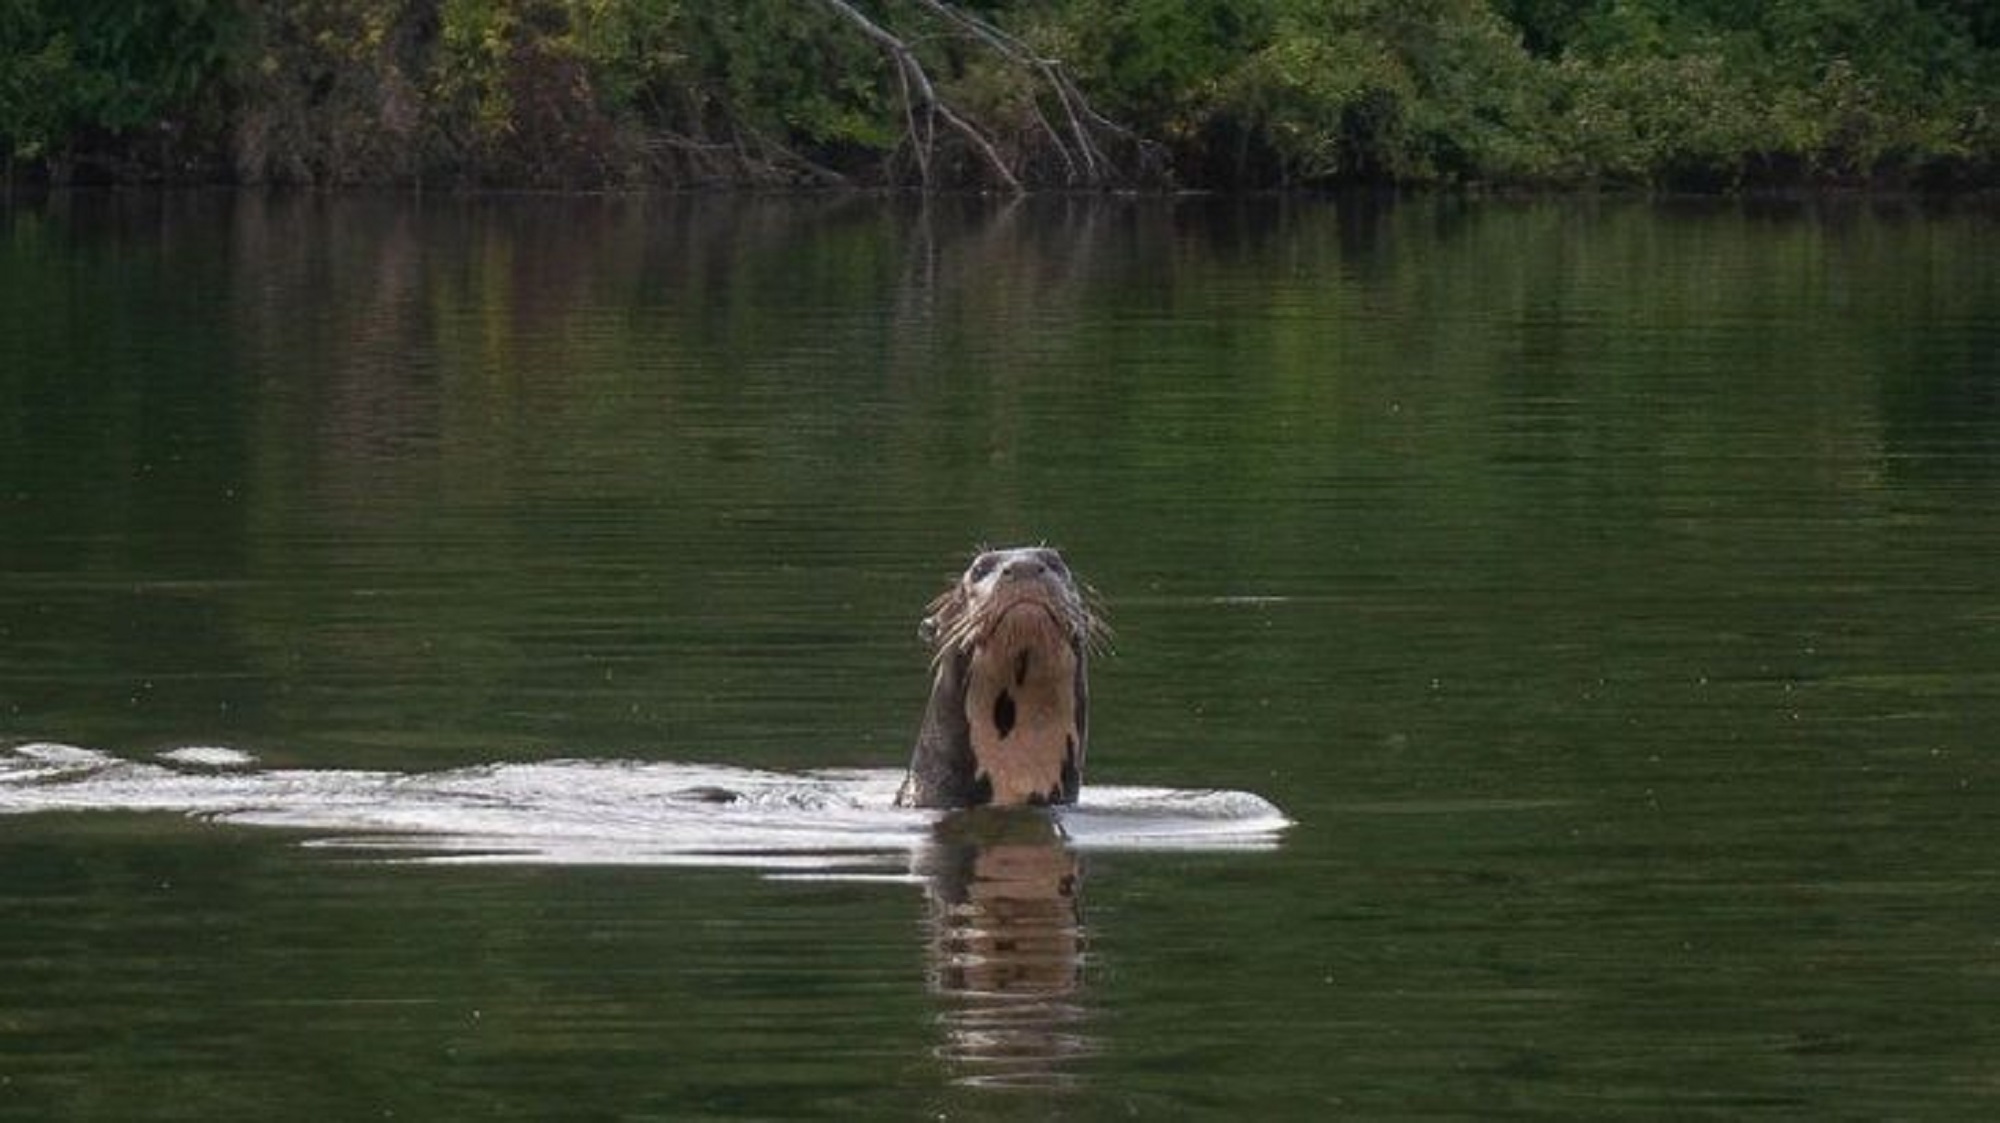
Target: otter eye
{"points": [[981, 566]]}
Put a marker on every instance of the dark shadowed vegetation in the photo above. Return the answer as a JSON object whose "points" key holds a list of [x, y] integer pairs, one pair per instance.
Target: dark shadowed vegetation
{"points": [[1006, 94]]}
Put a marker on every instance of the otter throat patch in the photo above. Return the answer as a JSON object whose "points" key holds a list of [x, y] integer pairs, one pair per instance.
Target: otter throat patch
{"points": [[1020, 707]]}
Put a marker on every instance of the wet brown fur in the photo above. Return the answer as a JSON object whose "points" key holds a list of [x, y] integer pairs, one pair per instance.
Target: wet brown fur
{"points": [[1007, 721]]}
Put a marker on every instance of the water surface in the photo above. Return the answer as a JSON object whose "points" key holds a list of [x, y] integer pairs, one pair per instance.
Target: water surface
{"points": [[1605, 590]]}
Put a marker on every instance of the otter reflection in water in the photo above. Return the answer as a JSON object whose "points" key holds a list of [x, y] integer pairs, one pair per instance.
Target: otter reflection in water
{"points": [[1006, 947]]}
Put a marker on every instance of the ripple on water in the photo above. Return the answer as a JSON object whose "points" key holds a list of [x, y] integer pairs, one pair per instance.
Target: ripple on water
{"points": [[597, 812]]}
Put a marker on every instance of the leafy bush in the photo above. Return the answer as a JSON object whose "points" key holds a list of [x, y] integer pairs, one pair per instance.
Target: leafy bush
{"points": [[81, 80]]}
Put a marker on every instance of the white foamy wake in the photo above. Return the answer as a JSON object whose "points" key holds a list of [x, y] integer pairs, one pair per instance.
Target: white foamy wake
{"points": [[597, 812]]}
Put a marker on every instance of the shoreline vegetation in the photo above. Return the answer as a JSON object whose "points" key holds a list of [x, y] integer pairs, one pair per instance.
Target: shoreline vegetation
{"points": [[1002, 95]]}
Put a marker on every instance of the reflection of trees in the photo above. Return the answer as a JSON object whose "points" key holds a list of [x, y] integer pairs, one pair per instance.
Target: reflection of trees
{"points": [[499, 409], [559, 442], [1006, 948]]}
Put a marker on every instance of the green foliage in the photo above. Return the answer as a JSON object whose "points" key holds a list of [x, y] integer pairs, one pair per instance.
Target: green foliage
{"points": [[1707, 94], [1686, 119], [1313, 91], [332, 92], [1690, 93], [791, 70], [639, 49], [72, 71], [1327, 96], [511, 83]]}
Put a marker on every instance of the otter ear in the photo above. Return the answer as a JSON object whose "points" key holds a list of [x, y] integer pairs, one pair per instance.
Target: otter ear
{"points": [[927, 630]]}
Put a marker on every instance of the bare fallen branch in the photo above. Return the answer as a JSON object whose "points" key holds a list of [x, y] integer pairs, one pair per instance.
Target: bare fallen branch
{"points": [[916, 80], [1081, 148]]}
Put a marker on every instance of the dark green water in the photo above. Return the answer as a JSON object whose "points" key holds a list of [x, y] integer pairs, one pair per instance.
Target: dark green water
{"points": [[1610, 592]]}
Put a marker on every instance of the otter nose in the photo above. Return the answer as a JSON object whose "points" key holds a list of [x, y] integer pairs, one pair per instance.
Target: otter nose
{"points": [[1022, 569]]}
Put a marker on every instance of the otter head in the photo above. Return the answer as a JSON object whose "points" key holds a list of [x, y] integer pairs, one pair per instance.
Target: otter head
{"points": [[1008, 717]]}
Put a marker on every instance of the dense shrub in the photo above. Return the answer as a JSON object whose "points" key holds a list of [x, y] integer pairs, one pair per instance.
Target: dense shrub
{"points": [[112, 88]]}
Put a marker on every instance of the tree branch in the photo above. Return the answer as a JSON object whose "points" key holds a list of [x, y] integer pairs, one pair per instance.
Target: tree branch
{"points": [[918, 81], [1081, 118]]}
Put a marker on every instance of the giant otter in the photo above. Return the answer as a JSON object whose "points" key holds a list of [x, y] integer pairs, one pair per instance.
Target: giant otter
{"points": [[1008, 717]]}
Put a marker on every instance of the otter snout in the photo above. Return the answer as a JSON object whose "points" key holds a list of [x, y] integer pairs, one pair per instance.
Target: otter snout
{"points": [[1023, 568]]}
